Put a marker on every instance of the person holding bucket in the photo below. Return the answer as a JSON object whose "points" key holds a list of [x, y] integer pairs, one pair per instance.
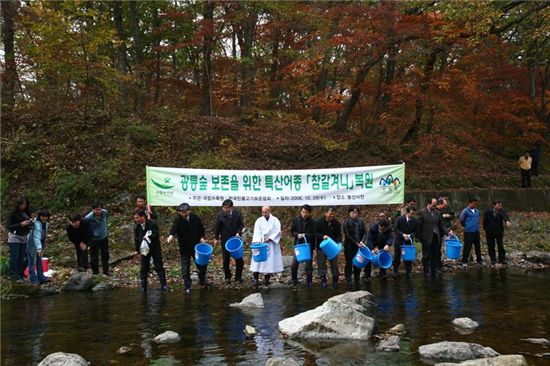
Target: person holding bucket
{"points": [[327, 227], [379, 238], [189, 230], [36, 245], [303, 231], [430, 230], [229, 223], [405, 230], [354, 237], [267, 230], [148, 231]]}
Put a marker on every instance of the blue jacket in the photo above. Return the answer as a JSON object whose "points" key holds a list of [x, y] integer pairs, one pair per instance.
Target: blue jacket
{"points": [[470, 220], [99, 227], [37, 237]]}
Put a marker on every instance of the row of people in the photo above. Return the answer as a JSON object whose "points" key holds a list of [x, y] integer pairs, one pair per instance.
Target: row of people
{"points": [[91, 233]]}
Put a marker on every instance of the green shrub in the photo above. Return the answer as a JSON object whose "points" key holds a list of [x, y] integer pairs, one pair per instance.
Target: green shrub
{"points": [[141, 134], [211, 160], [71, 189], [4, 270]]}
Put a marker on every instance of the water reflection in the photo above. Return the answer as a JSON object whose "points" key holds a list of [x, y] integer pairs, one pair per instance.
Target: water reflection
{"points": [[95, 325], [151, 309]]}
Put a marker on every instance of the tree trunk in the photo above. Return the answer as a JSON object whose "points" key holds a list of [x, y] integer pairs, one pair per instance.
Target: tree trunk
{"points": [[413, 131], [122, 62], [207, 107], [245, 38], [274, 89], [342, 119], [322, 79], [138, 57], [9, 79], [134, 16], [156, 45]]}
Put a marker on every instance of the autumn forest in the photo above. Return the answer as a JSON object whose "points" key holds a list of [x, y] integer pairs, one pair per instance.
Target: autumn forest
{"points": [[93, 88]]}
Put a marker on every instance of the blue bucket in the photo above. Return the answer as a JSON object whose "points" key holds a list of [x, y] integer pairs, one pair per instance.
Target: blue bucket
{"points": [[259, 251], [302, 252], [382, 259], [235, 247], [203, 252], [408, 252], [453, 247], [362, 258], [330, 248]]}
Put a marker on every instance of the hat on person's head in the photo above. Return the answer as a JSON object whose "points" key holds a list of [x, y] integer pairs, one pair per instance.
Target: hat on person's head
{"points": [[184, 207]]}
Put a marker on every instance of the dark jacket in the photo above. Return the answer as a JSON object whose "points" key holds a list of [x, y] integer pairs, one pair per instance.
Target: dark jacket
{"points": [[227, 225], [189, 232], [354, 231], [430, 224], [376, 239], [301, 226], [448, 222], [152, 217], [80, 234], [493, 223], [404, 227], [139, 233], [14, 223], [333, 229]]}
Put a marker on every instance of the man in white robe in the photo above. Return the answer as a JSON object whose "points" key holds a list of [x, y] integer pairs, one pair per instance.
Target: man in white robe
{"points": [[267, 229]]}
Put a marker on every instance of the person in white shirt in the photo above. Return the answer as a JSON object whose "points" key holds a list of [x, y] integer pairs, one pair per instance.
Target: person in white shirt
{"points": [[267, 229]]}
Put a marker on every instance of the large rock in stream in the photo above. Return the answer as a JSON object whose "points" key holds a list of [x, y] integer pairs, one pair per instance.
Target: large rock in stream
{"points": [[63, 359], [281, 361], [167, 337], [506, 360], [455, 351], [345, 316], [251, 301], [80, 281]]}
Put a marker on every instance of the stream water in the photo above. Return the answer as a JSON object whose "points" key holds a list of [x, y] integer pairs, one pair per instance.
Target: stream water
{"points": [[508, 305]]}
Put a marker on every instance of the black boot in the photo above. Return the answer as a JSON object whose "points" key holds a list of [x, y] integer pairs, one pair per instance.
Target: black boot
{"points": [[395, 272], [348, 283], [256, 280], [143, 286], [309, 280], [163, 284], [324, 282], [266, 280], [356, 280], [335, 282]]}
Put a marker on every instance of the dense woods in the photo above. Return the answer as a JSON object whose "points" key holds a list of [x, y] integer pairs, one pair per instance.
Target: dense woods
{"points": [[421, 79]]}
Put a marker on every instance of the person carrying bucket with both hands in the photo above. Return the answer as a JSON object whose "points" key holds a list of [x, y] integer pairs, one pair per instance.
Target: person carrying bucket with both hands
{"points": [[327, 227], [267, 230], [379, 238], [229, 224], [303, 232], [189, 230], [405, 229], [354, 237]]}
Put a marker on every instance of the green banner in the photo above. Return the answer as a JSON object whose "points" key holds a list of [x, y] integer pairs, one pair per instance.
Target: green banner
{"points": [[370, 185]]}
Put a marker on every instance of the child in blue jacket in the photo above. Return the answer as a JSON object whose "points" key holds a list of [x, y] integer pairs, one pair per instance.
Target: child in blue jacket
{"points": [[35, 246]]}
